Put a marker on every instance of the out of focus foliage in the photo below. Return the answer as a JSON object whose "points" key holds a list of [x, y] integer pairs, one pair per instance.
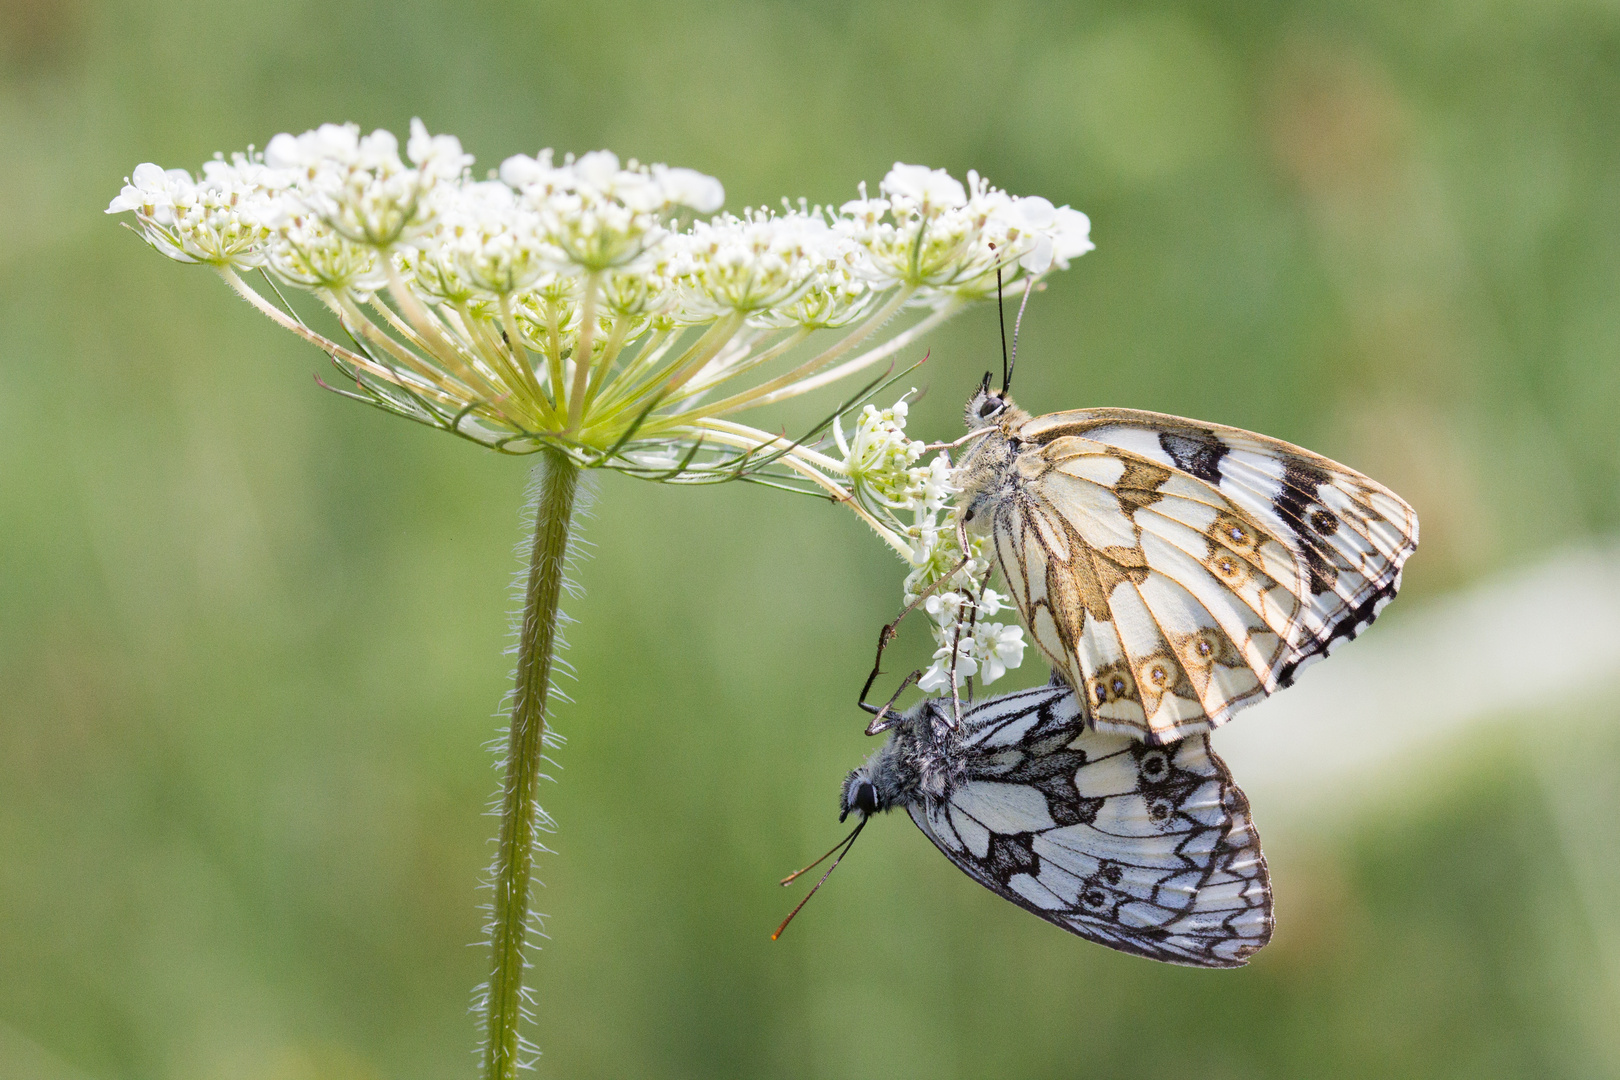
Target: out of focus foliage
{"points": [[250, 635]]}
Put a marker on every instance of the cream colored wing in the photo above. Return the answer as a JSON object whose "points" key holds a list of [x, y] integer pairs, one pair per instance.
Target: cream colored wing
{"points": [[1176, 572]]}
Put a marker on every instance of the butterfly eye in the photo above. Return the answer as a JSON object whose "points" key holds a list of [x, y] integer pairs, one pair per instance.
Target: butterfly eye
{"points": [[864, 798], [989, 407]]}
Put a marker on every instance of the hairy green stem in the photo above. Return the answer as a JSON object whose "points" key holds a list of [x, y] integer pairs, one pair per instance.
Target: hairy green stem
{"points": [[520, 813]]}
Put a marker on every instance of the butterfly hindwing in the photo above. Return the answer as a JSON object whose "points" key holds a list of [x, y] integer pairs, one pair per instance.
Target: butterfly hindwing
{"points": [[1176, 572], [1145, 849]]}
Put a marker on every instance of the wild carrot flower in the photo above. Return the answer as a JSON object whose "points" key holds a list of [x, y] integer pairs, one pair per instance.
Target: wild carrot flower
{"points": [[606, 315], [574, 304]]}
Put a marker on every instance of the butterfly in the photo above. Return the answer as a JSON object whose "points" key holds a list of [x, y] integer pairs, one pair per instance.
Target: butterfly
{"points": [[1175, 571], [1146, 849]]}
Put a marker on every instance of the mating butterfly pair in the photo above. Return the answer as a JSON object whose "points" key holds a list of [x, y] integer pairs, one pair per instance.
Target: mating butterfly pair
{"points": [[1173, 572]]}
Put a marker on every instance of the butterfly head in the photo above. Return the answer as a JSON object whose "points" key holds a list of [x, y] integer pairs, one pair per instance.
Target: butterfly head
{"points": [[987, 407], [860, 796]]}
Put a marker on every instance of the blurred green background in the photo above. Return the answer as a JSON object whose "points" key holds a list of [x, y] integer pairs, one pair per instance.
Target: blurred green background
{"points": [[251, 635]]}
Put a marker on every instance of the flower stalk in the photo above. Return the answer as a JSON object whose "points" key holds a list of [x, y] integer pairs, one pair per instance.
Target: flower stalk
{"points": [[506, 999]]}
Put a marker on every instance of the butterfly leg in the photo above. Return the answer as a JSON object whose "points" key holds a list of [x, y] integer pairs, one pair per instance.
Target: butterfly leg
{"points": [[888, 632], [883, 639], [883, 719], [956, 639], [954, 443], [973, 621], [956, 696]]}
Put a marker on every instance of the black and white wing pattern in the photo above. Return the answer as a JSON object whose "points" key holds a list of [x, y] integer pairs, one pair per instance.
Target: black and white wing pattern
{"points": [[1145, 849], [1176, 571]]}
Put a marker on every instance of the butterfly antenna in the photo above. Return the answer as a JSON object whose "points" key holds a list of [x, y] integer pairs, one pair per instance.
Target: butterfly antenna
{"points": [[846, 843], [806, 869], [1001, 317], [1018, 324]]}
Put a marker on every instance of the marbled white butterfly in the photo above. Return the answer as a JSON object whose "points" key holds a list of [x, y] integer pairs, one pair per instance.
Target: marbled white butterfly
{"points": [[1176, 571], [1141, 848]]}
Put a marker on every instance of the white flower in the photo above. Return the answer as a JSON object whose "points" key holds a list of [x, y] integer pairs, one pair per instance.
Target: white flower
{"points": [[648, 293], [933, 484], [1071, 236], [439, 157], [495, 241], [997, 648], [570, 305], [880, 462], [937, 679], [833, 297], [359, 186], [599, 214], [221, 221], [688, 187], [921, 190], [304, 251], [932, 234], [150, 192], [1047, 235], [832, 287], [989, 650], [746, 265], [879, 458], [944, 607]]}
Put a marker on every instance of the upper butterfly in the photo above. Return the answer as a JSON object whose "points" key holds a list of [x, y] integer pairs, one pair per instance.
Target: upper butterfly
{"points": [[1176, 571]]}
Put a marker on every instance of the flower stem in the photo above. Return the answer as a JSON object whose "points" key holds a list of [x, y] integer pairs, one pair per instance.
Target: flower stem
{"points": [[520, 813]]}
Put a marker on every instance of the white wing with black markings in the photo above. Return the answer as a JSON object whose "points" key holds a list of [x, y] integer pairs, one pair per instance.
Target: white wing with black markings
{"points": [[1145, 849]]}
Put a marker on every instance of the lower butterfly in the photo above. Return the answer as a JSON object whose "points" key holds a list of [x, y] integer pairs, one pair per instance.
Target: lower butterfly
{"points": [[1146, 849]]}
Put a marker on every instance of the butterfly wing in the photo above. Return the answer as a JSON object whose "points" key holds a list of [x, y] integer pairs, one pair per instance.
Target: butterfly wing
{"points": [[1176, 572], [1148, 850]]}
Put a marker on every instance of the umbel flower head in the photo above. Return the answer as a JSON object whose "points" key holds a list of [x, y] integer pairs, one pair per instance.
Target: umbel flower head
{"points": [[603, 309]]}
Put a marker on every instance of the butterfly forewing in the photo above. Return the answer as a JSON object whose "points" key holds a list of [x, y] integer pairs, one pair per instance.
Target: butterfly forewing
{"points": [[1145, 849], [1176, 572]]}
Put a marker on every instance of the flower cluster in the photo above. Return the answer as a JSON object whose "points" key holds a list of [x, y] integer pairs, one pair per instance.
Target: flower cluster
{"points": [[967, 642], [888, 477], [928, 231], [607, 309]]}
